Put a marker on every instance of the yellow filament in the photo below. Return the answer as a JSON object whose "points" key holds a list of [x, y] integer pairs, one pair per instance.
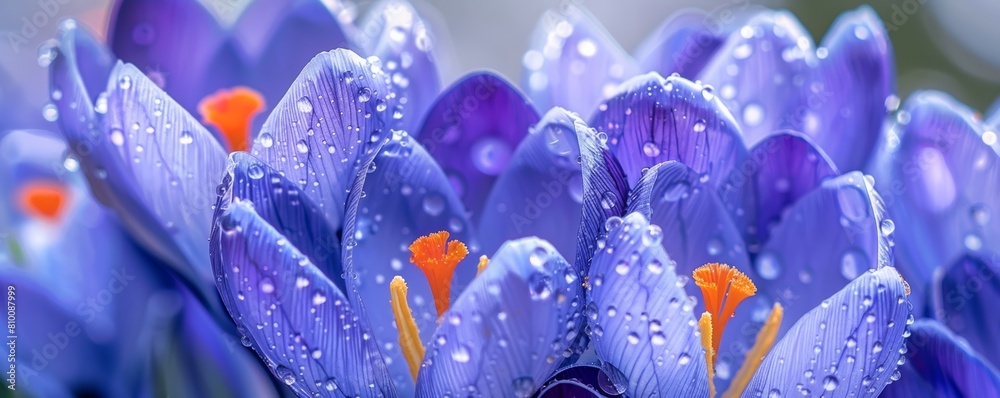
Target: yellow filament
{"points": [[763, 344], [705, 324], [483, 262], [409, 335]]}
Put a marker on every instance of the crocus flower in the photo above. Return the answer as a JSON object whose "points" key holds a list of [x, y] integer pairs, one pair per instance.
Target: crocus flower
{"points": [[85, 294]]}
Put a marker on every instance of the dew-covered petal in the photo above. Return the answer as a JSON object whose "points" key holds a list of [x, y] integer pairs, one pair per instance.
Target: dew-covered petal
{"points": [[282, 204], [332, 119], [763, 72], [605, 195], [641, 319], [472, 131], [683, 44], [939, 172], [857, 83], [541, 191], [396, 34], [653, 120], [848, 345], [172, 162], [298, 321], [580, 381], [264, 33], [937, 360], [963, 298], [145, 33], [693, 225], [511, 327], [405, 196], [573, 62], [777, 172], [827, 238]]}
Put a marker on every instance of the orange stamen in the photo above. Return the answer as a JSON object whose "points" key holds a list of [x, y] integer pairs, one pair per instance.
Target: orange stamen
{"points": [[438, 261], [231, 111], [723, 287], [45, 200]]}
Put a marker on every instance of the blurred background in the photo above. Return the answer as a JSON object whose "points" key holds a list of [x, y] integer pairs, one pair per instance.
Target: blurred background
{"points": [[948, 45]]}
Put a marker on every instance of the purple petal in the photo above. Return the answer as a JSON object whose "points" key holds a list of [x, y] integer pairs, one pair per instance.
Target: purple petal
{"points": [[858, 78], [332, 119], [964, 297], [472, 131], [641, 320], [850, 343], [830, 236], [940, 361], [581, 381], [939, 172], [405, 196], [763, 73], [683, 44], [396, 34], [144, 33], [778, 171], [694, 226], [312, 338], [652, 120], [283, 205], [509, 330], [604, 194], [541, 191], [573, 62], [264, 33]]}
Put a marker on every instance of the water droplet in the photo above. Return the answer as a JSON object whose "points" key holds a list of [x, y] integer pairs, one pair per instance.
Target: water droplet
{"points": [[684, 359], [125, 83], [523, 386], [50, 112], [285, 374], [185, 138], [973, 242], [433, 204], [699, 126], [304, 105], [255, 171], [655, 266], [768, 266], [677, 191], [852, 263], [364, 94], [266, 285], [651, 149], [608, 200], [539, 286], [653, 235], [302, 146], [980, 214], [753, 115], [708, 92], [622, 267], [460, 354], [538, 257], [265, 140], [319, 298], [887, 227], [490, 155]]}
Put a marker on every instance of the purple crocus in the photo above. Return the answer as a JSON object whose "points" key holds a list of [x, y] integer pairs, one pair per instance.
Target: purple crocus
{"points": [[311, 227]]}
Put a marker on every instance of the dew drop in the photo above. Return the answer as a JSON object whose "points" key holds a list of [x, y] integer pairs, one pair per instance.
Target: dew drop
{"points": [[265, 140], [304, 105]]}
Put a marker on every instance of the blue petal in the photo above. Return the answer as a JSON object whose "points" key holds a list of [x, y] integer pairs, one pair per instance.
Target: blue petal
{"points": [[264, 33], [828, 237], [683, 44], [858, 84], [939, 172], [849, 344], [472, 131], [642, 320], [694, 226], [652, 120], [144, 33], [940, 361], [395, 33], [762, 74], [541, 191], [964, 296], [779, 171], [605, 192], [509, 330], [282, 204], [298, 321], [405, 195], [573, 62], [332, 119]]}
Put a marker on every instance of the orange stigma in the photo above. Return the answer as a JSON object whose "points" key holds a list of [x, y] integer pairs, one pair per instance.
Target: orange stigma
{"points": [[44, 200], [723, 287], [231, 111], [437, 257]]}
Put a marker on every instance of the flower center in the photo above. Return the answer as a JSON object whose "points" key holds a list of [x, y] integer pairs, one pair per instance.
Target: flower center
{"points": [[437, 258], [231, 111], [45, 200]]}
